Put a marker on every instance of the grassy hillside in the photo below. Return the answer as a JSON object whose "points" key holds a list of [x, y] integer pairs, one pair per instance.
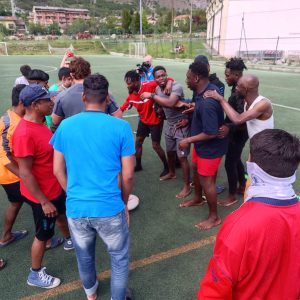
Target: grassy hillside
{"points": [[103, 7]]}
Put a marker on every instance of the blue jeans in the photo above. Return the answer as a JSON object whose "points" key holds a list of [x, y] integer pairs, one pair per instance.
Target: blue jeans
{"points": [[114, 233]]}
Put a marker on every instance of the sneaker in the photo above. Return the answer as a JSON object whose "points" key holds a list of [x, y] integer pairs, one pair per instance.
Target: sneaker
{"points": [[220, 189], [68, 244], [42, 279]]}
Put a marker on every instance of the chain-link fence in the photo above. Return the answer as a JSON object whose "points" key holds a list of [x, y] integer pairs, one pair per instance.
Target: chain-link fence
{"points": [[159, 46], [273, 50]]}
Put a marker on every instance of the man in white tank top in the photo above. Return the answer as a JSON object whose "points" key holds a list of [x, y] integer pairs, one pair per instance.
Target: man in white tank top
{"points": [[258, 111]]}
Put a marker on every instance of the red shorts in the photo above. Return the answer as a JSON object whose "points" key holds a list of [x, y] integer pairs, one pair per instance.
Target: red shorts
{"points": [[206, 166]]}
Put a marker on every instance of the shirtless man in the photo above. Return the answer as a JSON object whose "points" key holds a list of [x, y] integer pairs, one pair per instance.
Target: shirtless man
{"points": [[258, 111]]}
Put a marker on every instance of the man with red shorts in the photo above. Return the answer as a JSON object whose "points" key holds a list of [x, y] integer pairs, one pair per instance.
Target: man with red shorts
{"points": [[208, 148], [149, 122]]}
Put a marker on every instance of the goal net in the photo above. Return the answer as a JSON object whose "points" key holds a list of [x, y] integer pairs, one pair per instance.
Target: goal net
{"points": [[53, 50], [137, 49], [3, 48]]}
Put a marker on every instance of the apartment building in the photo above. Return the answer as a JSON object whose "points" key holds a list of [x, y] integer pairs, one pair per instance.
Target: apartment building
{"points": [[47, 15]]}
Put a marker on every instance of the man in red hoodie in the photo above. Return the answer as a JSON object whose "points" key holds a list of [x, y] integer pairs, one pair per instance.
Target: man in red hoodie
{"points": [[256, 255]]}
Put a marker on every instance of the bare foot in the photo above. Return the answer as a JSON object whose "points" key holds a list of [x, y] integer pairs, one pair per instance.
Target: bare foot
{"points": [[2, 263], [193, 202], [230, 200], [184, 192], [167, 177], [209, 223]]}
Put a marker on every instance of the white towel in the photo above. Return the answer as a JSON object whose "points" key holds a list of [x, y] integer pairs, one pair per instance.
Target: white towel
{"points": [[264, 185]]}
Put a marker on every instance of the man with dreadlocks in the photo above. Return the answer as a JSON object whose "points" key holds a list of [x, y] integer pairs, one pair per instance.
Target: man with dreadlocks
{"points": [[149, 121], [237, 134]]}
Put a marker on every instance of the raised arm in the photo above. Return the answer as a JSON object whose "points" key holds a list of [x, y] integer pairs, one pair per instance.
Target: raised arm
{"points": [[258, 110], [170, 101]]}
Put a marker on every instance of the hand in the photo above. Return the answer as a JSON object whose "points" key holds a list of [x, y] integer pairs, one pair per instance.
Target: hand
{"points": [[168, 88], [180, 104], [49, 210], [145, 95], [182, 123], [213, 94], [223, 131], [127, 215], [190, 108], [183, 144]]}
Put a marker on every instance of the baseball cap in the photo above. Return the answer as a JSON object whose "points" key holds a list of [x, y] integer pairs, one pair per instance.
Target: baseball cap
{"points": [[202, 59], [34, 92]]}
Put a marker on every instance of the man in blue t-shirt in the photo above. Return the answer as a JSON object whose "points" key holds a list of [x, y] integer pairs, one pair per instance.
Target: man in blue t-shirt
{"points": [[88, 165], [208, 148]]}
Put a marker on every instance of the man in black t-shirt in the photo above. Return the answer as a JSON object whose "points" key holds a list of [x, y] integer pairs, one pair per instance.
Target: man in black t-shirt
{"points": [[238, 135], [213, 78], [208, 148]]}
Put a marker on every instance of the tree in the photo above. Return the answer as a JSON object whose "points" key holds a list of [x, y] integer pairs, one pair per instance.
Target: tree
{"points": [[199, 20], [4, 31], [167, 20], [145, 23], [54, 29], [126, 20], [78, 25], [135, 23], [36, 29]]}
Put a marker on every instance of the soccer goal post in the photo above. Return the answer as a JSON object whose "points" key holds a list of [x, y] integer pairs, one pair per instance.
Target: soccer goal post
{"points": [[3, 48], [137, 49], [53, 50]]}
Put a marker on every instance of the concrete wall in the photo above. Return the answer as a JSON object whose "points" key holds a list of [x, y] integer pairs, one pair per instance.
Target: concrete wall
{"points": [[264, 22]]}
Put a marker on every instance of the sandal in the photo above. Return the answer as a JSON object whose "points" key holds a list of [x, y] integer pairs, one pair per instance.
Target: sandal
{"points": [[15, 236]]}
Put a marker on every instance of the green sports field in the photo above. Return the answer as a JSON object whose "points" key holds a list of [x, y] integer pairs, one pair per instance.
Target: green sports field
{"points": [[168, 255]]}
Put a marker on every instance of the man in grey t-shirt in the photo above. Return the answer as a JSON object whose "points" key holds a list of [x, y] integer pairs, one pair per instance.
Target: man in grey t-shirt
{"points": [[176, 129], [69, 102]]}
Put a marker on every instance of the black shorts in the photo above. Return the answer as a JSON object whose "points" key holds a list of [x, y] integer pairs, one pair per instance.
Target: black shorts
{"points": [[44, 226], [143, 130], [13, 192]]}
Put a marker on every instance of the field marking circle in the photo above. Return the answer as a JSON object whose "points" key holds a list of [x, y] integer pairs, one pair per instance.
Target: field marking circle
{"points": [[52, 69]]}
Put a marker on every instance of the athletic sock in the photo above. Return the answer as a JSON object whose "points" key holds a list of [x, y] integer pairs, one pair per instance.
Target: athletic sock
{"points": [[36, 270]]}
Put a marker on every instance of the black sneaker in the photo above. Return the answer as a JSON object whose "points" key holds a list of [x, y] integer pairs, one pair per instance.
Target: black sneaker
{"points": [[164, 172]]}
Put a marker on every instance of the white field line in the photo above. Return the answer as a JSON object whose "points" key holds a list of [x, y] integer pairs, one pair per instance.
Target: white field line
{"points": [[287, 107], [131, 116], [52, 69]]}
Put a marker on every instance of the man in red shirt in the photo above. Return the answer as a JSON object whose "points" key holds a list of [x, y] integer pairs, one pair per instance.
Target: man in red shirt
{"points": [[256, 255], [149, 122], [38, 184]]}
